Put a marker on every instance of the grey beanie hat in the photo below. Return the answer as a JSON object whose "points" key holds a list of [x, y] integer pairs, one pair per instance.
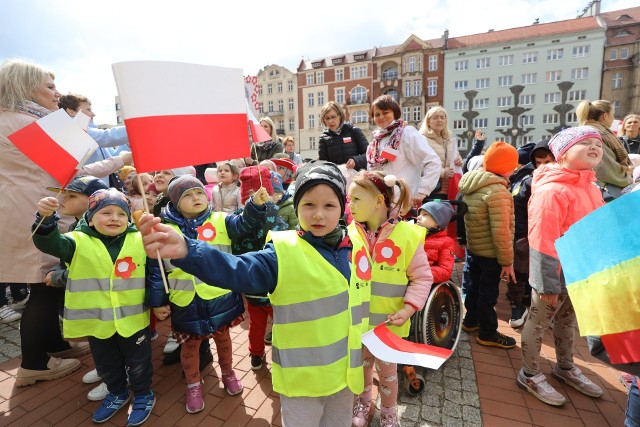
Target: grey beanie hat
{"points": [[320, 172], [441, 212]]}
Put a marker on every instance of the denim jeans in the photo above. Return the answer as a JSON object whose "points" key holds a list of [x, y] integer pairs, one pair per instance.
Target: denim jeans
{"points": [[633, 406]]}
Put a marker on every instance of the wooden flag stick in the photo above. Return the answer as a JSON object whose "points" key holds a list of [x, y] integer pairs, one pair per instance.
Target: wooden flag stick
{"points": [[40, 223], [146, 209]]}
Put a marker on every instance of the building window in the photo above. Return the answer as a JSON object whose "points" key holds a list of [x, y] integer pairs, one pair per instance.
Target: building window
{"points": [[480, 123], [554, 76], [527, 99], [259, 89], [281, 125], [624, 53], [353, 71], [580, 51], [577, 95], [363, 71], [616, 81], [407, 88], [460, 105], [481, 103], [269, 88], [340, 96], [312, 142], [613, 54], [433, 62], [416, 88], [555, 54], [320, 98], [616, 108], [572, 118], [461, 65], [505, 101], [460, 85], [311, 98], [552, 97], [358, 95], [392, 93], [320, 77], [551, 119], [483, 62], [340, 74], [359, 117], [527, 139], [504, 60], [290, 85], [432, 87], [279, 87], [290, 104], [579, 73], [312, 121], [529, 57], [529, 78], [412, 64], [417, 113], [309, 79], [527, 120], [292, 123], [406, 114], [390, 73], [261, 108], [482, 83], [459, 124], [503, 122], [280, 105], [270, 103], [119, 120], [463, 144], [505, 81]]}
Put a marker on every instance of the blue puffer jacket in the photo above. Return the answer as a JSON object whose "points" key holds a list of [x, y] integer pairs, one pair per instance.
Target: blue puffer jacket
{"points": [[203, 317]]}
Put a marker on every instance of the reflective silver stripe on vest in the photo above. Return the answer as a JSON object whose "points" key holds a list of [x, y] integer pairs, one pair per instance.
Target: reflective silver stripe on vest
{"points": [[103, 313], [356, 358], [386, 290], [359, 312], [182, 284], [375, 318], [311, 310], [311, 356], [102, 285]]}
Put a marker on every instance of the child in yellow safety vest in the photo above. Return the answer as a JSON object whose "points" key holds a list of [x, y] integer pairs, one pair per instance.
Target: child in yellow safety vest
{"points": [[318, 278], [104, 299], [400, 282]]}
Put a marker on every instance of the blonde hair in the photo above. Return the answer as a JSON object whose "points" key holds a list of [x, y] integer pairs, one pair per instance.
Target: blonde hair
{"points": [[425, 128], [287, 140], [274, 134], [592, 110], [332, 106], [624, 121], [19, 81], [365, 179]]}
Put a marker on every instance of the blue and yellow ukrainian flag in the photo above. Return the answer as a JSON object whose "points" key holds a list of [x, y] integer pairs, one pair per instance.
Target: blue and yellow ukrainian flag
{"points": [[600, 258]]}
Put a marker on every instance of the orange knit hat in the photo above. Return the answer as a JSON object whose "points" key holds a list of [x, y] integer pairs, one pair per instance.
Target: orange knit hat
{"points": [[500, 158]]}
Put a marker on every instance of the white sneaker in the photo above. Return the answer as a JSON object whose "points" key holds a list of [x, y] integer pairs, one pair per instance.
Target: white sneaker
{"points": [[99, 393], [20, 305], [91, 377], [7, 315], [171, 345]]}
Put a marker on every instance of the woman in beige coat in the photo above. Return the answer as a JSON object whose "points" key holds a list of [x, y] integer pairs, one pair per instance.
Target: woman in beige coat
{"points": [[27, 93], [435, 128]]}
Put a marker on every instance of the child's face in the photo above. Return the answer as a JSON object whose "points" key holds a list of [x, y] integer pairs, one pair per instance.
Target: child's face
{"points": [[225, 175], [193, 203], [543, 160], [586, 154], [282, 171], [425, 220], [110, 221], [152, 198], [383, 118], [74, 204], [128, 181], [319, 210], [161, 180], [364, 203]]}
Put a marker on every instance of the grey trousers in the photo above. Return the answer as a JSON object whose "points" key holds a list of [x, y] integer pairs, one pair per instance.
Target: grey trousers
{"points": [[335, 410]]}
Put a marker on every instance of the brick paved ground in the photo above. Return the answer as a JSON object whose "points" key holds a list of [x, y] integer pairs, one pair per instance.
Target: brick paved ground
{"points": [[475, 387]]}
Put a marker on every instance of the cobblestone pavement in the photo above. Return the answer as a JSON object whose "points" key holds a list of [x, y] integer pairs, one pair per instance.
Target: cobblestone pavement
{"points": [[9, 341]]}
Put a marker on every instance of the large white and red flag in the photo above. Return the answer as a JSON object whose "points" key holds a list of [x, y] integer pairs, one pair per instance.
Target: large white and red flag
{"points": [[57, 144], [387, 346], [180, 114]]}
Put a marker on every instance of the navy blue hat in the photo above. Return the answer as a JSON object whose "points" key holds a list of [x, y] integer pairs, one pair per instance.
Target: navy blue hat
{"points": [[86, 185], [524, 152], [103, 198]]}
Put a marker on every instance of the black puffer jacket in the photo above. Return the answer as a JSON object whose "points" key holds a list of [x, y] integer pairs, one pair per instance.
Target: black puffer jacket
{"points": [[339, 148]]}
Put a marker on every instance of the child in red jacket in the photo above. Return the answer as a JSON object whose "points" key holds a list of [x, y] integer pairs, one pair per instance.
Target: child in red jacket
{"points": [[435, 216]]}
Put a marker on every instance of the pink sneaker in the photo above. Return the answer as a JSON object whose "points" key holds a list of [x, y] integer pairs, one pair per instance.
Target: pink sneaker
{"points": [[193, 397], [231, 383], [361, 412]]}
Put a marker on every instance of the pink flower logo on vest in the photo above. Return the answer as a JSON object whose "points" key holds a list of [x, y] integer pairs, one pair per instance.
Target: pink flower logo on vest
{"points": [[387, 252], [363, 266], [124, 267], [206, 232]]}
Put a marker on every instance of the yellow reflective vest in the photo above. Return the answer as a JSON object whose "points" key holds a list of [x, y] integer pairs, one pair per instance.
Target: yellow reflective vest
{"points": [[183, 287], [318, 319], [391, 259], [103, 297]]}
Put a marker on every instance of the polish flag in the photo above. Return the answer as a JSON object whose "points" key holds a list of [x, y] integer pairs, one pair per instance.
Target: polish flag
{"points": [[57, 144], [180, 114], [387, 346], [258, 134]]}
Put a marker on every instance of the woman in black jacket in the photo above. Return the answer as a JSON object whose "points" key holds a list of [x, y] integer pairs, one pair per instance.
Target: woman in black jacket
{"points": [[341, 142]]}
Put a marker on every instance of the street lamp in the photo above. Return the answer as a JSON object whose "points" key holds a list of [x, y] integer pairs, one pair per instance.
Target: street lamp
{"points": [[514, 135]]}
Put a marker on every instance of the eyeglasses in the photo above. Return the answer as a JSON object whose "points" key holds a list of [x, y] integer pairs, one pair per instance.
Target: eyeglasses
{"points": [[330, 117]]}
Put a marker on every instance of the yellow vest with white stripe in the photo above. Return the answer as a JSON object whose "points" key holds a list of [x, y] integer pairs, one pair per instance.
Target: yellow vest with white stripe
{"points": [[318, 319], [183, 287], [389, 278], [103, 297]]}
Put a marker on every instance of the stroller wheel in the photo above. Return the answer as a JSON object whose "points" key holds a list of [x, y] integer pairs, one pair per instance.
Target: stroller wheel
{"points": [[442, 317]]}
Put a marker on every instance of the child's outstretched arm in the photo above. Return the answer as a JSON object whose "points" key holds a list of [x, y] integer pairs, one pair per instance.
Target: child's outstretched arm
{"points": [[251, 219], [251, 273], [47, 237]]}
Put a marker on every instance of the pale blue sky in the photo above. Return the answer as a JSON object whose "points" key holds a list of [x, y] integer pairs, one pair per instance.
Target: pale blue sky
{"points": [[79, 40]]}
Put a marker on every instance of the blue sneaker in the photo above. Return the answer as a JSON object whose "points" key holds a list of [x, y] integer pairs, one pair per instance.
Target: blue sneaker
{"points": [[142, 406], [110, 405]]}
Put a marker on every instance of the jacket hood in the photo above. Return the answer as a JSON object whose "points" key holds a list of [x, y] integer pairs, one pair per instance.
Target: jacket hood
{"points": [[524, 171], [540, 145], [555, 173], [475, 180]]}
